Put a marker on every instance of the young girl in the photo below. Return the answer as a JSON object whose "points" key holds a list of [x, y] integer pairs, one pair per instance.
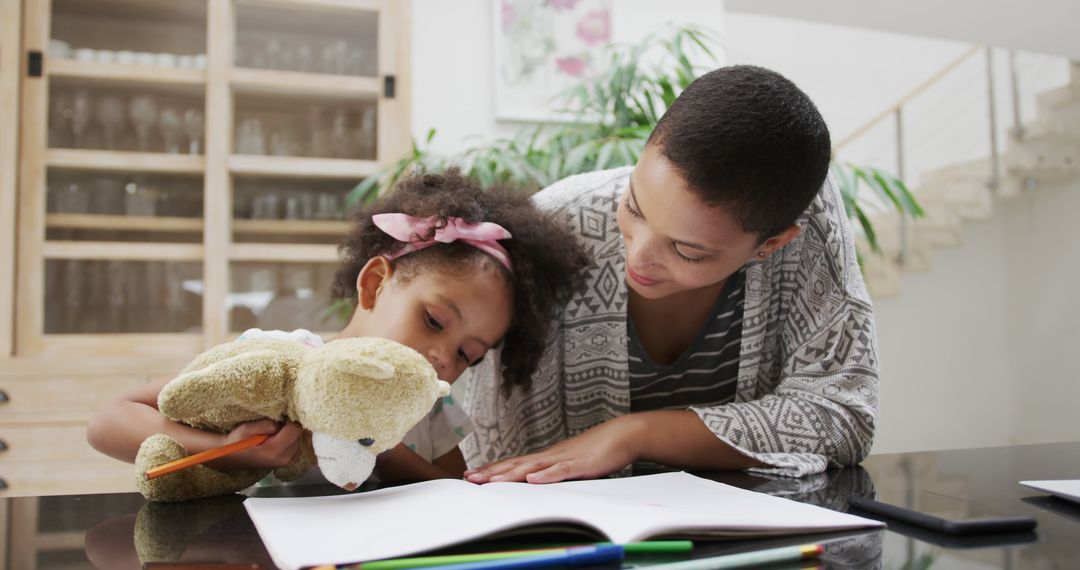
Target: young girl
{"points": [[439, 265]]}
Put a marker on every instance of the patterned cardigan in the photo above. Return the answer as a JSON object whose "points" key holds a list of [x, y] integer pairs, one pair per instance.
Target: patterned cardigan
{"points": [[807, 393]]}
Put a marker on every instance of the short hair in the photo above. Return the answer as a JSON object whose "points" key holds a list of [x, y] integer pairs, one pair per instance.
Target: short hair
{"points": [[747, 139], [548, 262]]}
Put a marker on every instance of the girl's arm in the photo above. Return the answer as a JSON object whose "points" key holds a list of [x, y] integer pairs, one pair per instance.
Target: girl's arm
{"points": [[120, 427], [404, 464], [670, 437]]}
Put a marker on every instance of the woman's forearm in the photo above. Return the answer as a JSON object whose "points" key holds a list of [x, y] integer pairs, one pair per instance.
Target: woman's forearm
{"points": [[680, 439]]}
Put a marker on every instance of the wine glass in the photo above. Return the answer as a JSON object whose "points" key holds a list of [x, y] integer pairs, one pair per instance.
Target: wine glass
{"points": [[339, 134], [111, 115], [60, 120], [193, 126], [305, 57], [366, 134], [317, 141], [143, 111], [273, 53], [171, 124], [80, 116]]}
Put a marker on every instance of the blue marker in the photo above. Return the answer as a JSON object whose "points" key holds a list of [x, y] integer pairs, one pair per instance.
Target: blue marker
{"points": [[583, 556]]}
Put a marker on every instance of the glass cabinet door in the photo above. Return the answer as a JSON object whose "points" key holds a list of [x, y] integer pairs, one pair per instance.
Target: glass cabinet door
{"points": [[173, 155]]}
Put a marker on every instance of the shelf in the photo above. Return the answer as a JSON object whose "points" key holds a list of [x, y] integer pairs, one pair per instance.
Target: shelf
{"points": [[78, 159], [125, 74], [122, 251], [302, 167], [296, 83], [291, 227], [176, 224], [284, 252], [123, 223], [338, 5]]}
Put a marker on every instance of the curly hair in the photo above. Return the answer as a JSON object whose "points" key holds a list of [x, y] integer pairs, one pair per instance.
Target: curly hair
{"points": [[547, 259]]}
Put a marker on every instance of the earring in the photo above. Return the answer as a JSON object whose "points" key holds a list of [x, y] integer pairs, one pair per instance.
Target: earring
{"points": [[761, 255]]}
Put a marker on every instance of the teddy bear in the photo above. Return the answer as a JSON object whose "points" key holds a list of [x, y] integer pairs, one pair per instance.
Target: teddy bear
{"points": [[356, 396]]}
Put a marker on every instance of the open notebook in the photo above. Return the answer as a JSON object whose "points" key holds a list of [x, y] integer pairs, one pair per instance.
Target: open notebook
{"points": [[1068, 489], [405, 520]]}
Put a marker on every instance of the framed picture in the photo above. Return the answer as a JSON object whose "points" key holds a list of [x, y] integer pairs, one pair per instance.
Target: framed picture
{"points": [[542, 47]]}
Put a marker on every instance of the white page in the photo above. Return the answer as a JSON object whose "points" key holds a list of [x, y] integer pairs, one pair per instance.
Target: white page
{"points": [[400, 521], [637, 508], [1067, 489]]}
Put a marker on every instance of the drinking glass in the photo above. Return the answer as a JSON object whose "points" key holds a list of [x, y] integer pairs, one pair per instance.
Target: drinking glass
{"points": [[138, 201], [366, 134], [339, 134], [80, 116], [143, 110], [111, 115], [193, 127], [171, 125], [61, 112], [73, 200]]}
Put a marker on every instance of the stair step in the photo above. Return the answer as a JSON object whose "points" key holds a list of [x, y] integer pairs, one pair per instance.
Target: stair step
{"points": [[1059, 111], [961, 171], [1044, 157]]}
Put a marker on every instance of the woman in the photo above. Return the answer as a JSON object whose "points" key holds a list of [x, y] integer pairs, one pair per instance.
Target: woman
{"points": [[724, 325]]}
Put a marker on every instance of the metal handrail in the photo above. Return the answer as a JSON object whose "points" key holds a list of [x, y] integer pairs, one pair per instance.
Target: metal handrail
{"points": [[896, 112], [906, 98]]}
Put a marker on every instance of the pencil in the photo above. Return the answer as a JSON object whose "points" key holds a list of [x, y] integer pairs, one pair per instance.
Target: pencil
{"points": [[204, 456], [744, 559]]}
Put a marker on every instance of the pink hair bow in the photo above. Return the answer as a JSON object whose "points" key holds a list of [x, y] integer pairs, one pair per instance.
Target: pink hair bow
{"points": [[413, 232]]}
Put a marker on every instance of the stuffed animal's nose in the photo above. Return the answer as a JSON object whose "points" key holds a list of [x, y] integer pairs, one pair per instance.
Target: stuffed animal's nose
{"points": [[350, 486]]}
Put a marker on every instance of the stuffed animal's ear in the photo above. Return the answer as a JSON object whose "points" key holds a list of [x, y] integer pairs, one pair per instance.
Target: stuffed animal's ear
{"points": [[442, 387], [364, 366]]}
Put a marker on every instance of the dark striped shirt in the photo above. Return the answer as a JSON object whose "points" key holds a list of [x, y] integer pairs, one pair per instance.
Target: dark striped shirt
{"points": [[706, 374]]}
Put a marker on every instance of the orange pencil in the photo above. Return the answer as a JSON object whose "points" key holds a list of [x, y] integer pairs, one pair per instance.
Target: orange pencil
{"points": [[204, 456]]}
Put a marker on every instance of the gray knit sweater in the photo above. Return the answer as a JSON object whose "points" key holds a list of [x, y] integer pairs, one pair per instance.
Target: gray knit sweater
{"points": [[807, 394]]}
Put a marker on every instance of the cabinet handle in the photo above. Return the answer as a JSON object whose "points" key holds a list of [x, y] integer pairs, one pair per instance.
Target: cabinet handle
{"points": [[35, 63], [389, 86], [4, 397], [3, 484], [3, 445]]}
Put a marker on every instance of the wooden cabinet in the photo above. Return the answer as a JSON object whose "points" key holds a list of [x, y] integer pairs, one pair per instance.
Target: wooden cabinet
{"points": [[172, 173]]}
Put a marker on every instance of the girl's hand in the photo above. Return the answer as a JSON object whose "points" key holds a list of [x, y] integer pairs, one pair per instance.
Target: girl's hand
{"points": [[597, 452], [280, 449]]}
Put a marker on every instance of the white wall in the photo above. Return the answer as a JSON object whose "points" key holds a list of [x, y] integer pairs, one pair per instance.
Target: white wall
{"points": [[851, 74], [945, 350], [974, 352], [855, 74], [453, 69], [979, 351], [1042, 253]]}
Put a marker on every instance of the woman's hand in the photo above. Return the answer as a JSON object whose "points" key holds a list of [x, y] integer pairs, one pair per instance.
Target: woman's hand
{"points": [[600, 451], [669, 437], [280, 449]]}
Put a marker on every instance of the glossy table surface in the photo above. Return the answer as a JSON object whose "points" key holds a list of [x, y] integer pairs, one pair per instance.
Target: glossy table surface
{"points": [[122, 531]]}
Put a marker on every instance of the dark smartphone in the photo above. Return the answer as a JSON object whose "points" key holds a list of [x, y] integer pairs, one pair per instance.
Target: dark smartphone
{"points": [[944, 514]]}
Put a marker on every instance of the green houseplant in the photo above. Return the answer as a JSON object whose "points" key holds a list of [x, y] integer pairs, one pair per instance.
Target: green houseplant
{"points": [[616, 111]]}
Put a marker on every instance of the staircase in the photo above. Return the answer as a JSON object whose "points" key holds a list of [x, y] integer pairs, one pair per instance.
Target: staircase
{"points": [[1045, 150]]}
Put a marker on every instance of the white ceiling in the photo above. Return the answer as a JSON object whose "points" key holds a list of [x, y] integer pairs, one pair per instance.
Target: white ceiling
{"points": [[1045, 26]]}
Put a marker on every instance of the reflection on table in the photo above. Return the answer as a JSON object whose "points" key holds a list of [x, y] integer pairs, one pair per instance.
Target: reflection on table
{"points": [[123, 531]]}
